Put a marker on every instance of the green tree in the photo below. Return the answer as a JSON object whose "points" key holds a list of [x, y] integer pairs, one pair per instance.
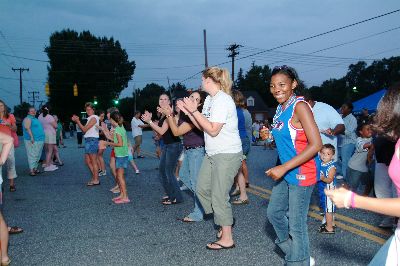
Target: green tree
{"points": [[257, 79], [98, 65], [21, 110]]}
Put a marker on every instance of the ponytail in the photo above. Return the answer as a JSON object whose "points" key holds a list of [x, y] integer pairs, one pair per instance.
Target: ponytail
{"points": [[220, 76]]}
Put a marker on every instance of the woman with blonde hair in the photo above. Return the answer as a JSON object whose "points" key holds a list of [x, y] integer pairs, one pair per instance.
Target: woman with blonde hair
{"points": [[223, 147]]}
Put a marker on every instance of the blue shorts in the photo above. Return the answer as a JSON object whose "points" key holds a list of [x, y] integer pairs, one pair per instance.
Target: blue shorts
{"points": [[91, 145], [121, 162]]}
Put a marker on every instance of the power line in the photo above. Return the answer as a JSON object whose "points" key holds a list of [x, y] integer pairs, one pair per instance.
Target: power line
{"points": [[305, 39]]}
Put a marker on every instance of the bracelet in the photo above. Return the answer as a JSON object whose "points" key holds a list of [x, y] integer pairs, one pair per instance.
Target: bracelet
{"points": [[194, 111], [347, 200], [353, 205], [168, 116]]}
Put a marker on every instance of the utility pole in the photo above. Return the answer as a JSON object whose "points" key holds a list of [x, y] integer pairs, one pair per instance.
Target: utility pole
{"points": [[40, 103], [205, 48], [34, 97], [232, 48], [20, 81]]}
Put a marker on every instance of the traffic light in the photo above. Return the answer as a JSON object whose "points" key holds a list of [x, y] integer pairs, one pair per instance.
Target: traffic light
{"points": [[47, 89], [116, 101], [75, 90], [95, 100]]}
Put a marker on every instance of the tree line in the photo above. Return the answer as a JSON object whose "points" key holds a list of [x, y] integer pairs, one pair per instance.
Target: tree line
{"points": [[101, 69]]}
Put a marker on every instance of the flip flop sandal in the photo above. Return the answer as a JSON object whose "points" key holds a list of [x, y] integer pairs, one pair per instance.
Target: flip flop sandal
{"points": [[169, 202], [91, 184], [220, 247], [239, 201], [13, 230], [121, 201], [6, 263], [186, 220]]}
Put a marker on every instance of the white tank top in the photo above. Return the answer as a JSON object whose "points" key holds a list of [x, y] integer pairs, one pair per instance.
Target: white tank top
{"points": [[93, 132]]}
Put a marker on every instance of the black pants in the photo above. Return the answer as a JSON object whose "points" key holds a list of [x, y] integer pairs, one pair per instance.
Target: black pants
{"points": [[79, 136]]}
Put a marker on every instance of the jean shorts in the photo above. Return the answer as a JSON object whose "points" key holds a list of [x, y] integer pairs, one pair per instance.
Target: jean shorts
{"points": [[91, 145], [121, 162]]}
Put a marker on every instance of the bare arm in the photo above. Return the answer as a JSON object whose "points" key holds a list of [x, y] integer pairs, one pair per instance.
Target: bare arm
{"points": [[302, 117], [160, 130], [331, 176], [119, 141], [179, 130], [88, 126], [388, 206], [27, 126], [211, 128], [106, 132]]}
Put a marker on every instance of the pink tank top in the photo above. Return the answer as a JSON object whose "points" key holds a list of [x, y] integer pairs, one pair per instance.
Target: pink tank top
{"points": [[394, 168]]}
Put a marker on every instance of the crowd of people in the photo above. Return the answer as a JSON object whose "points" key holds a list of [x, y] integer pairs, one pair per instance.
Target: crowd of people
{"points": [[211, 131]]}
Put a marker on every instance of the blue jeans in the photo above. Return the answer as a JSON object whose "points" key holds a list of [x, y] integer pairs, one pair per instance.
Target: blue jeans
{"points": [[188, 174], [346, 151], [169, 157], [382, 254], [292, 231]]}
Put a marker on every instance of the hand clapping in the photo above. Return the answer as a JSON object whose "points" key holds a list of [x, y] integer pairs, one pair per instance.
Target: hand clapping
{"points": [[75, 118], [165, 109], [146, 117], [189, 104]]}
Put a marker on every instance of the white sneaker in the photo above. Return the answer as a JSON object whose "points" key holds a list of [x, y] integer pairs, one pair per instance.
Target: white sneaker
{"points": [[339, 177], [50, 168], [137, 172], [312, 261], [103, 173]]}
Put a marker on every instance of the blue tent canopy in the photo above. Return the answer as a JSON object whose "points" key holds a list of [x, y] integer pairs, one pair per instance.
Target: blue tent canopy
{"points": [[370, 102]]}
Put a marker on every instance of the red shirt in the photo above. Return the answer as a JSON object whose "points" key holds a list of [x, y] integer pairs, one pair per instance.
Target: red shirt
{"points": [[6, 129]]}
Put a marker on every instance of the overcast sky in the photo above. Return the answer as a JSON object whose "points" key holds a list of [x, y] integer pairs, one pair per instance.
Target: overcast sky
{"points": [[165, 37]]}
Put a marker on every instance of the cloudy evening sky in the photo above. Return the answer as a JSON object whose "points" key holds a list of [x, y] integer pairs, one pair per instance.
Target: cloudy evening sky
{"points": [[165, 37]]}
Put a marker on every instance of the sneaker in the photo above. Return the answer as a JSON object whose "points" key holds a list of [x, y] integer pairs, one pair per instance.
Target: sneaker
{"points": [[137, 172], [312, 261], [102, 173], [50, 168], [140, 157], [339, 177], [184, 187]]}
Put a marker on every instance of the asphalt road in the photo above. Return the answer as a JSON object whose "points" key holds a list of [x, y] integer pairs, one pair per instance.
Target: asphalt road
{"points": [[67, 223]]}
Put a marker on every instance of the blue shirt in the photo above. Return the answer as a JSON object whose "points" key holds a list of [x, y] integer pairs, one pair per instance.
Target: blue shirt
{"points": [[324, 169], [36, 128], [241, 123], [291, 141]]}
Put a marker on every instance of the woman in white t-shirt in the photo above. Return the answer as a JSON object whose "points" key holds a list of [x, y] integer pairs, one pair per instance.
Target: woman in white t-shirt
{"points": [[91, 142], [223, 148]]}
